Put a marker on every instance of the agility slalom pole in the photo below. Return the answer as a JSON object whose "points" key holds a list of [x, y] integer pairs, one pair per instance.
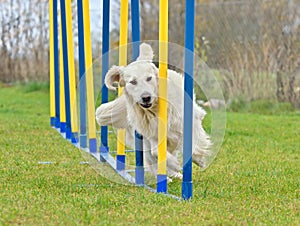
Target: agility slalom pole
{"points": [[72, 78], [135, 24], [105, 65], [162, 98], [82, 80], [122, 62], [51, 65], [61, 85], [89, 77], [187, 186], [66, 69], [54, 68], [135, 27], [56, 62]]}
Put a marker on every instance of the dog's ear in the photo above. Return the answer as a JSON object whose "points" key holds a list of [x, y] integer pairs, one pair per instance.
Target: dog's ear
{"points": [[115, 74], [146, 52]]}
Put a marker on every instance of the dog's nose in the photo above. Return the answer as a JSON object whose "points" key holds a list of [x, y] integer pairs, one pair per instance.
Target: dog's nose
{"points": [[146, 98]]}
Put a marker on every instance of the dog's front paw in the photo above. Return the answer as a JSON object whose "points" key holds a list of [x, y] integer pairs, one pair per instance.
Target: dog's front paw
{"points": [[169, 180], [178, 175]]}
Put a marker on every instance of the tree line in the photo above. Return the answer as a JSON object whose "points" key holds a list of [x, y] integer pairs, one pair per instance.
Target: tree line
{"points": [[252, 46]]}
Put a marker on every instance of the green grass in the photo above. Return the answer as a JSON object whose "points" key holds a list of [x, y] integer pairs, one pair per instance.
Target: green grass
{"points": [[254, 180]]}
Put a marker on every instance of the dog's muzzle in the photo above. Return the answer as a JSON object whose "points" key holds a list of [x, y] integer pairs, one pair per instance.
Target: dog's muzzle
{"points": [[146, 100]]}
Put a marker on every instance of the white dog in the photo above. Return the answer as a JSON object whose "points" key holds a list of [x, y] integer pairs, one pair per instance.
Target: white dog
{"points": [[136, 110]]}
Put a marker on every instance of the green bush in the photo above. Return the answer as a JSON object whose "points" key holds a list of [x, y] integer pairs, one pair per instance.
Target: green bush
{"points": [[238, 104], [36, 86], [270, 107], [266, 107]]}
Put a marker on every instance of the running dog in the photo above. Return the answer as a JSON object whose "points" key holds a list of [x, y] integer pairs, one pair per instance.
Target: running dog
{"points": [[137, 110]]}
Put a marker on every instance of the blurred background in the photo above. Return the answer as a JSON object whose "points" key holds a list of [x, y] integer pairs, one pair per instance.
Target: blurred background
{"points": [[252, 46]]}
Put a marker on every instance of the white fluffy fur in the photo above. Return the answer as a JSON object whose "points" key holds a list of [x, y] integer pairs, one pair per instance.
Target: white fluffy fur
{"points": [[127, 112]]}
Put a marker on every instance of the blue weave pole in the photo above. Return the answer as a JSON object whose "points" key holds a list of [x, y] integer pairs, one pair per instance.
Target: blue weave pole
{"points": [[161, 183], [135, 24], [56, 121], [139, 160], [66, 69], [82, 86], [105, 66], [187, 186]]}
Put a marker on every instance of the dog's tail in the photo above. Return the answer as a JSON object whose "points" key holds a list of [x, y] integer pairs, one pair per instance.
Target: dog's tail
{"points": [[113, 113]]}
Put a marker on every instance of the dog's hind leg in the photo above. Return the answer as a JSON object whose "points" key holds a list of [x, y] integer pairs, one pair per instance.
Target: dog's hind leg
{"points": [[150, 160], [201, 141], [199, 160], [201, 151], [151, 163], [173, 165]]}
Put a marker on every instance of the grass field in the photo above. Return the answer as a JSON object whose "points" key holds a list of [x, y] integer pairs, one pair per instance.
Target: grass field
{"points": [[255, 179]]}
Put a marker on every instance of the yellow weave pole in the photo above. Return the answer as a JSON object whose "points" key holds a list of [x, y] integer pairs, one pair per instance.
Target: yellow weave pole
{"points": [[162, 92], [122, 62], [51, 44], [89, 77], [71, 65], [62, 106]]}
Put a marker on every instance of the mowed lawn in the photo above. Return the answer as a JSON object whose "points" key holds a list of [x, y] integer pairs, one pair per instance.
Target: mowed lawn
{"points": [[255, 179]]}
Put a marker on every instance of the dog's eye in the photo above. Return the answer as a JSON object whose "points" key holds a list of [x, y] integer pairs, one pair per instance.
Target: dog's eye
{"points": [[149, 79], [133, 82]]}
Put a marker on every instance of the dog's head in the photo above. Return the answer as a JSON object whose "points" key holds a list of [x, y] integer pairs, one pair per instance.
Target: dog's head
{"points": [[139, 78]]}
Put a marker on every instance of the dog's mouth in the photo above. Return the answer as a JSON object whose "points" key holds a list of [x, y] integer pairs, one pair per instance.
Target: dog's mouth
{"points": [[146, 105]]}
